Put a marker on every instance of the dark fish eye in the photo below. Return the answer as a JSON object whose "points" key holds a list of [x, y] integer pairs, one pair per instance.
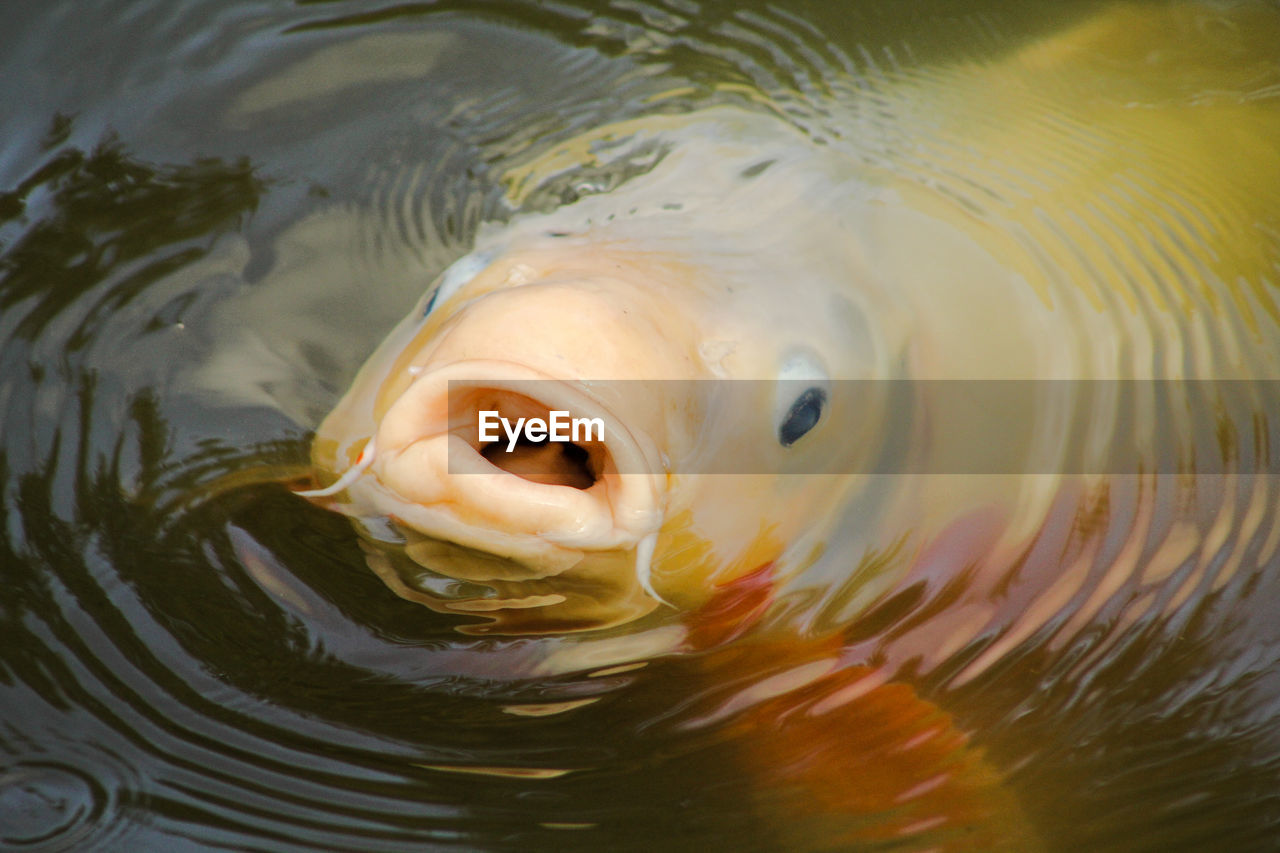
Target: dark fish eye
{"points": [[431, 303], [455, 276], [803, 416]]}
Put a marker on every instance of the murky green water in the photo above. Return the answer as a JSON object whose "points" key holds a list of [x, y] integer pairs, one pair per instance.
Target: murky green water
{"points": [[211, 212]]}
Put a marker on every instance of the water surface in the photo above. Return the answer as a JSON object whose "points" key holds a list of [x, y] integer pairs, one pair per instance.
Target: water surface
{"points": [[211, 212]]}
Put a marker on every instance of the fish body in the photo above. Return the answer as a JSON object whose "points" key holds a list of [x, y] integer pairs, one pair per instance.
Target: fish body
{"points": [[813, 472], [765, 322]]}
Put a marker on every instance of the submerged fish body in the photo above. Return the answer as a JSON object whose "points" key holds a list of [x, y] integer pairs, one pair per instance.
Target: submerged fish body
{"points": [[975, 377], [1072, 213]]}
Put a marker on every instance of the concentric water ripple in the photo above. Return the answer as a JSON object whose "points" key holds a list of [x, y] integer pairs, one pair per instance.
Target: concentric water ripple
{"points": [[57, 806], [211, 212]]}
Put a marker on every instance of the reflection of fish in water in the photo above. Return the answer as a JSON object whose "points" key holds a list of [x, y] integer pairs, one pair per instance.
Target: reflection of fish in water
{"points": [[1095, 206]]}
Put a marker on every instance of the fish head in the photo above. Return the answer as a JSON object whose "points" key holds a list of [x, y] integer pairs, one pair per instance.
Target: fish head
{"points": [[708, 369]]}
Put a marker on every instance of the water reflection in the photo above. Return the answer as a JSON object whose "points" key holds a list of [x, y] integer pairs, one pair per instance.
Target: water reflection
{"points": [[203, 235]]}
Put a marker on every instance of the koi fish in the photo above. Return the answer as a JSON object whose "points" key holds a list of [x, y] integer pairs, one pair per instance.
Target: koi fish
{"points": [[1070, 212], [769, 321]]}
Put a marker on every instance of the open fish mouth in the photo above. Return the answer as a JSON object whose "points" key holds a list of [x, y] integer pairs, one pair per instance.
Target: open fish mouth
{"points": [[488, 416], [447, 463]]}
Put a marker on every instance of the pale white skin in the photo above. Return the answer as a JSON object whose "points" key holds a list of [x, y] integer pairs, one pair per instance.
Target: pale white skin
{"points": [[750, 253], [658, 295]]}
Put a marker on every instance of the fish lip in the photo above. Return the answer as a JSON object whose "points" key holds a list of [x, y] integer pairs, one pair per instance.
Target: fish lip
{"points": [[624, 505]]}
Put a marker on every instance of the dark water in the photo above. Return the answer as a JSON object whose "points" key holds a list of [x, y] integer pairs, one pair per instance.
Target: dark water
{"points": [[210, 212]]}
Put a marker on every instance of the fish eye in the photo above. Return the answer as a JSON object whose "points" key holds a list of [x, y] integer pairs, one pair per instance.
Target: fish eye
{"points": [[455, 276], [803, 416], [803, 371]]}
